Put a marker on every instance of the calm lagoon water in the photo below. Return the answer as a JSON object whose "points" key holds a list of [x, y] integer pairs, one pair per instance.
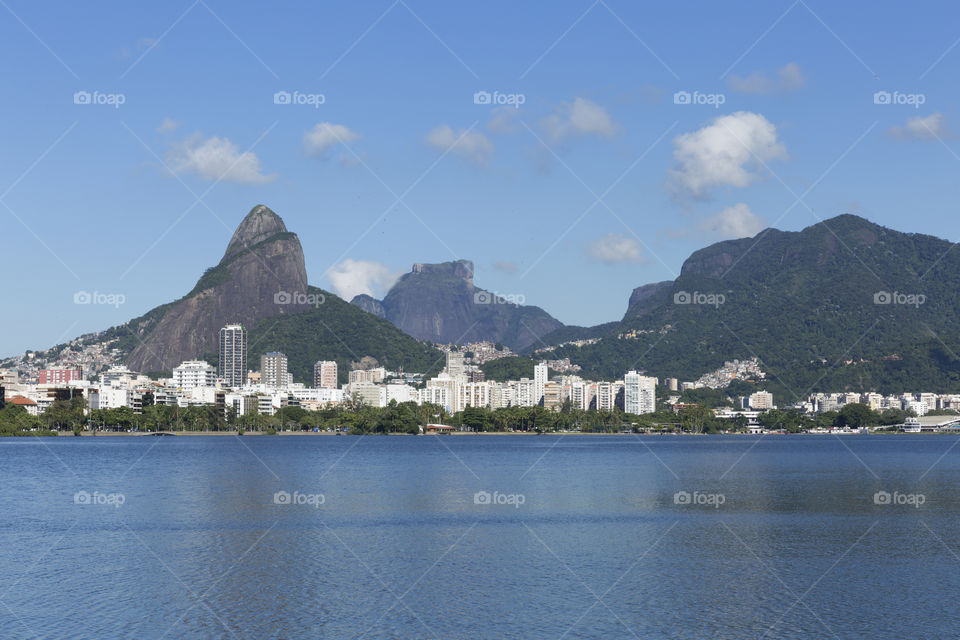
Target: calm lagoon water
{"points": [[480, 537]]}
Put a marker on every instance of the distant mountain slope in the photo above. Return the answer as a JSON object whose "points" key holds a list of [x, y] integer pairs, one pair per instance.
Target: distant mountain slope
{"points": [[647, 297], [804, 303], [440, 303], [570, 332], [370, 305]]}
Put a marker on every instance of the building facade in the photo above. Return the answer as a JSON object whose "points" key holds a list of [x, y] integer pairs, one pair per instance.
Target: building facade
{"points": [[273, 370], [540, 374], [194, 373], [233, 355], [639, 393], [325, 374], [59, 376]]}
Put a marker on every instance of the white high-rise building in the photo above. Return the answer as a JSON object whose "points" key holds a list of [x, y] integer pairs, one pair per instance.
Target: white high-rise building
{"points": [[325, 374], [540, 374], [471, 394], [639, 393], [401, 393], [435, 395], [578, 395], [273, 370], [194, 373], [604, 397], [525, 393], [233, 355], [495, 395], [455, 364]]}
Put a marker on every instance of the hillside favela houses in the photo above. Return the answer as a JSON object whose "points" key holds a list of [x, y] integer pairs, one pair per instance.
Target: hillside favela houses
{"points": [[233, 387]]}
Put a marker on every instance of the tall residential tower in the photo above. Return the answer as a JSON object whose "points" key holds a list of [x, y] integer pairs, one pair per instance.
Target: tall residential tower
{"points": [[233, 355], [639, 393], [325, 374], [540, 378], [273, 370]]}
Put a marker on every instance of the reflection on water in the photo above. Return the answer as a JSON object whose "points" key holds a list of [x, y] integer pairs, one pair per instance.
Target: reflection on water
{"points": [[479, 537]]}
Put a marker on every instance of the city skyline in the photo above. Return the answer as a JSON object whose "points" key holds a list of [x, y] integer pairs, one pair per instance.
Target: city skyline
{"points": [[836, 120]]}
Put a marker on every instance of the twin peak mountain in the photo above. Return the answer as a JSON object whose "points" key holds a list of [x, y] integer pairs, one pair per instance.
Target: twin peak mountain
{"points": [[261, 281]]}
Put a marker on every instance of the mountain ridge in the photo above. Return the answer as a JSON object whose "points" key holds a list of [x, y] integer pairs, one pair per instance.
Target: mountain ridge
{"points": [[823, 308]]}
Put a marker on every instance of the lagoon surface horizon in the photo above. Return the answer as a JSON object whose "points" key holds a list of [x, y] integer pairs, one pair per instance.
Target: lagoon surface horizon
{"points": [[494, 537]]}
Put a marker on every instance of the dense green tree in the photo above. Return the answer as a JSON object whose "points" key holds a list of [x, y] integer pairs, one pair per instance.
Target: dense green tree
{"points": [[856, 415], [397, 418], [15, 420]]}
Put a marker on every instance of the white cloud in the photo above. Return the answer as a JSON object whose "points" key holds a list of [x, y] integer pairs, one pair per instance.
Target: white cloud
{"points": [[725, 152], [929, 127], [734, 222], [325, 135], [217, 159], [353, 277], [579, 118], [167, 125], [470, 145], [616, 248], [787, 78]]}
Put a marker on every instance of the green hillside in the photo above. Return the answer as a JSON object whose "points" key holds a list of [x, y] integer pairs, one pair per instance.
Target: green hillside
{"points": [[804, 303], [337, 330]]}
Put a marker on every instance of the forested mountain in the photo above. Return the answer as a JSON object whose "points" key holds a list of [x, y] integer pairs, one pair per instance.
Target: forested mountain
{"points": [[843, 304]]}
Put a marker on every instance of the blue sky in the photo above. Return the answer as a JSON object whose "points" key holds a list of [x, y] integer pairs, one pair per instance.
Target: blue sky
{"points": [[597, 183]]}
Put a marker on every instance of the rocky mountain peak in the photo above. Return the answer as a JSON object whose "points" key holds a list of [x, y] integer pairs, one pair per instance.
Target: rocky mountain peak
{"points": [[261, 223], [261, 275]]}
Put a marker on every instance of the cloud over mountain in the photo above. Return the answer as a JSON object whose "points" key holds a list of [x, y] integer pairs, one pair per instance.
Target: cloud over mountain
{"points": [[730, 151], [217, 158], [736, 221]]}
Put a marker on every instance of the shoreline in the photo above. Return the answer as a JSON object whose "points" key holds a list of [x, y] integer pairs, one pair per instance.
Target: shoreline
{"points": [[143, 434]]}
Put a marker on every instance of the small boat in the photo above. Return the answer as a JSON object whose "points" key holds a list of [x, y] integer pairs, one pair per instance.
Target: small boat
{"points": [[911, 425]]}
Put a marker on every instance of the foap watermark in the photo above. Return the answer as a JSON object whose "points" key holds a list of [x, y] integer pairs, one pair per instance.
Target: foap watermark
{"points": [[497, 498], [99, 499], [314, 500], [897, 98], [909, 299], [709, 99], [297, 298], [99, 98], [698, 297], [700, 499], [493, 297], [497, 99], [885, 498], [301, 99], [111, 299]]}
